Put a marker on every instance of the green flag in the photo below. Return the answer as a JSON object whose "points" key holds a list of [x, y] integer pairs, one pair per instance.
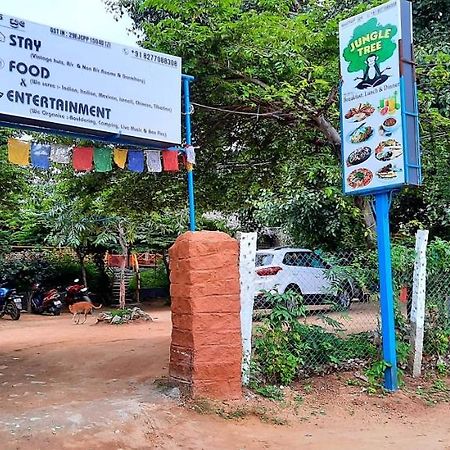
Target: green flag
{"points": [[102, 159]]}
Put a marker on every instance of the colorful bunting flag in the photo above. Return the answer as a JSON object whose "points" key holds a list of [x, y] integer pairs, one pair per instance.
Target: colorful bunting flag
{"points": [[40, 156], [120, 157], [153, 160], [102, 159], [190, 154], [170, 160], [82, 158], [60, 154], [135, 161], [18, 152]]}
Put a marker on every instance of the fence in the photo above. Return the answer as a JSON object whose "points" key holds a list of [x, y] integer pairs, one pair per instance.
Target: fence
{"points": [[436, 344], [316, 312]]}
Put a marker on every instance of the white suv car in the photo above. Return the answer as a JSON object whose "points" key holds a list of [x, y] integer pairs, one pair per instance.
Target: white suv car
{"points": [[300, 270]]}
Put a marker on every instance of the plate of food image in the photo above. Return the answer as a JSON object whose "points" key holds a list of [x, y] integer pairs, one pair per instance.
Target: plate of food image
{"points": [[388, 126], [361, 134], [388, 172], [388, 150], [359, 113], [359, 178], [358, 156]]}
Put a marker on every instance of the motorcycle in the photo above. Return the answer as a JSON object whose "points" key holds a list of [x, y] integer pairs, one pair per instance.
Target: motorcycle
{"points": [[10, 302], [45, 302], [77, 293]]}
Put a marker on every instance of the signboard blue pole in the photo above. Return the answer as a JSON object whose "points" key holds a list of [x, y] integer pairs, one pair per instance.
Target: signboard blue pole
{"points": [[190, 174], [380, 130], [382, 203]]}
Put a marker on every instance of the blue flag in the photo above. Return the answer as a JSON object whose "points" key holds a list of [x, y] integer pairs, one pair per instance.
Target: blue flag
{"points": [[135, 161], [40, 156]]}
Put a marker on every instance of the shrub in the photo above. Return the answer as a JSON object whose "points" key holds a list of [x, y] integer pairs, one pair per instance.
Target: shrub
{"points": [[25, 268], [151, 278], [51, 270], [284, 346]]}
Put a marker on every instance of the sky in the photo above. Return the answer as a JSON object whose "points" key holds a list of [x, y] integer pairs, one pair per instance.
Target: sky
{"points": [[88, 17]]}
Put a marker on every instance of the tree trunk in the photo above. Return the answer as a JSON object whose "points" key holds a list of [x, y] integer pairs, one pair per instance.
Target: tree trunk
{"points": [[167, 266], [329, 132], [81, 256], [124, 246], [138, 279], [29, 294], [122, 289], [363, 203], [83, 273]]}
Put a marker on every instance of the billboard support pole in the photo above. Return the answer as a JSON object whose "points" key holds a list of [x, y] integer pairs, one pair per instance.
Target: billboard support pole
{"points": [[382, 204], [190, 173]]}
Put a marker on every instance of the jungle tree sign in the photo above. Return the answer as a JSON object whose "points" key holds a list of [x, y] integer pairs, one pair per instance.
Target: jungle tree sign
{"points": [[59, 79], [379, 139]]}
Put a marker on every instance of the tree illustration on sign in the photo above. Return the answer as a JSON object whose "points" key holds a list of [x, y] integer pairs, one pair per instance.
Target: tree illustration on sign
{"points": [[370, 45]]}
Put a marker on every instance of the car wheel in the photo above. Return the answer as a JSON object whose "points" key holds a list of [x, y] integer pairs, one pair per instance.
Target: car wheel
{"points": [[344, 298], [291, 304]]}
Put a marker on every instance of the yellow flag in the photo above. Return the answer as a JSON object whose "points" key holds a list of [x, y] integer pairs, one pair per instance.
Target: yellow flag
{"points": [[18, 152], [120, 157]]}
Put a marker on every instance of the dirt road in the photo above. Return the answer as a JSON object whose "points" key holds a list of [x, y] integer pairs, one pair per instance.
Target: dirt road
{"points": [[65, 386]]}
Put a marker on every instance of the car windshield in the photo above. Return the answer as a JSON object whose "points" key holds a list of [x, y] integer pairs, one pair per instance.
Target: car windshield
{"points": [[303, 259], [263, 259]]}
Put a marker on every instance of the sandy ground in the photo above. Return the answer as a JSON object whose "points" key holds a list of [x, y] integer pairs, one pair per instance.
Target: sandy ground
{"points": [[359, 318], [65, 386]]}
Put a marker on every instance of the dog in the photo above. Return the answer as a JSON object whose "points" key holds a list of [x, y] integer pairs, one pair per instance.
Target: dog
{"points": [[82, 308]]}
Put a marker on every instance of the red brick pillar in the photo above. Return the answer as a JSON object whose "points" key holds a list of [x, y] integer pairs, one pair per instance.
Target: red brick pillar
{"points": [[206, 351]]}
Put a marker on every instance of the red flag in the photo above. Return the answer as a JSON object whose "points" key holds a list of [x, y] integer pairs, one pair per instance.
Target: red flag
{"points": [[170, 160], [82, 158]]}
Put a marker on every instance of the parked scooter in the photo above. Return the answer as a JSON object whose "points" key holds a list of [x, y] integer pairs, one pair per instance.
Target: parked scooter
{"points": [[45, 302], [10, 302], [77, 293]]}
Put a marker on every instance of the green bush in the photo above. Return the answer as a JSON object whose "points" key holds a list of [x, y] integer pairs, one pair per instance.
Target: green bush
{"points": [[51, 270], [25, 268], [284, 346], [276, 358], [151, 278], [64, 269]]}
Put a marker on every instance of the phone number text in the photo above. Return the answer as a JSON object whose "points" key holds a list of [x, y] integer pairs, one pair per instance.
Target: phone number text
{"points": [[155, 58]]}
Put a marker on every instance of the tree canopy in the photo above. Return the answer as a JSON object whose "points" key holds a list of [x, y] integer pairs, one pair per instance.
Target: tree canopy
{"points": [[278, 60], [266, 120]]}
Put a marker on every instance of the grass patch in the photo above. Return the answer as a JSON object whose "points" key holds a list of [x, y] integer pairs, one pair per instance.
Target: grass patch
{"points": [[270, 391], [437, 392]]}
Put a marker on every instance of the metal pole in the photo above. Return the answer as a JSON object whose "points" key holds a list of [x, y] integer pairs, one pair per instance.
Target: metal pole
{"points": [[190, 173], [386, 291]]}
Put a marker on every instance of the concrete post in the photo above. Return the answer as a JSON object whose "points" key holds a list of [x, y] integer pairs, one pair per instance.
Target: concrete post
{"points": [[247, 250], [206, 349], [418, 303]]}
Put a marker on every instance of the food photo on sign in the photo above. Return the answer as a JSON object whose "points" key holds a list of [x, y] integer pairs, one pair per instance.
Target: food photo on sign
{"points": [[371, 119]]}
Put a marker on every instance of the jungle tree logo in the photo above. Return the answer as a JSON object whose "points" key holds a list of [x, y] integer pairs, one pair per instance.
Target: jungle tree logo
{"points": [[370, 45]]}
